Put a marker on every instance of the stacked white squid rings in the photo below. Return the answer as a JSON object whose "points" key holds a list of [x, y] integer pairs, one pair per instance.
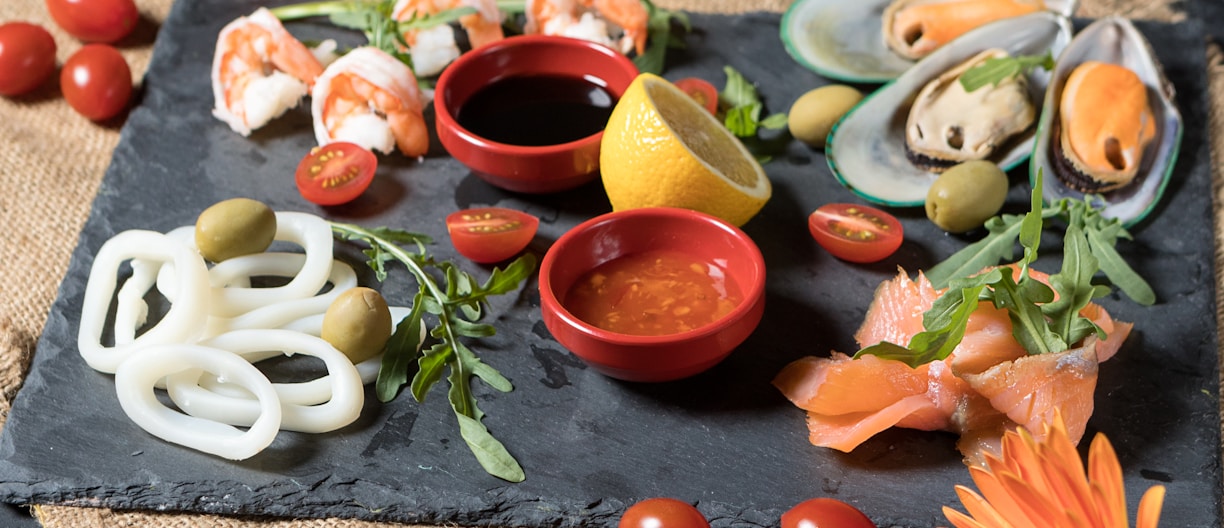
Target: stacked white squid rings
{"points": [[203, 350]]}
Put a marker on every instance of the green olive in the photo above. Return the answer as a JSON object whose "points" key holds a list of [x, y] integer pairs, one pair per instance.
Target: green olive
{"points": [[814, 113], [966, 195], [358, 323], [235, 227]]}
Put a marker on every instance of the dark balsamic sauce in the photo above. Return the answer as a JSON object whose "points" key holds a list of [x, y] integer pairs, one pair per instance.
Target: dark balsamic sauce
{"points": [[537, 110]]}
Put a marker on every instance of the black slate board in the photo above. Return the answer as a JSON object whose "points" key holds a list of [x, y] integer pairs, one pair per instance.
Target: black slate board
{"points": [[725, 440]]}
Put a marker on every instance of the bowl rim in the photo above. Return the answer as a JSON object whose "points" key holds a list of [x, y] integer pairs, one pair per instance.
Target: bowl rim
{"points": [[444, 114], [753, 293]]}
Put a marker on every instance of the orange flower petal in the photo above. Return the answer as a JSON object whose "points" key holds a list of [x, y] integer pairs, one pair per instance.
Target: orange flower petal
{"points": [[1149, 507], [981, 509], [994, 492], [1105, 471], [1038, 511], [960, 520]]}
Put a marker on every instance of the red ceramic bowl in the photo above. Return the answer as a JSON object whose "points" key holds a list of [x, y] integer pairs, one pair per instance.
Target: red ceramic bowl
{"points": [[652, 358], [527, 169]]}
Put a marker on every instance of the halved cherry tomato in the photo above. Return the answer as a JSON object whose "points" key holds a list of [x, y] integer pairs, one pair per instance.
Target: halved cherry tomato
{"points": [[490, 234], [702, 91], [95, 20], [27, 57], [662, 512], [825, 513], [856, 233], [335, 173], [96, 81]]}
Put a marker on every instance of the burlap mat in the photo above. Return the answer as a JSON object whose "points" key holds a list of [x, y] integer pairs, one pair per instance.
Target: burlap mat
{"points": [[53, 160]]}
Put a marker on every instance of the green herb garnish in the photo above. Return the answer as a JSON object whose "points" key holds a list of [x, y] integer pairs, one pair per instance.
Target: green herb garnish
{"points": [[1039, 323], [457, 308], [741, 108], [374, 19], [659, 27], [994, 70]]}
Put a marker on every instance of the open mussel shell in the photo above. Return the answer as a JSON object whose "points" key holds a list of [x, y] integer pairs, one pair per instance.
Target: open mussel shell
{"points": [[866, 148], [843, 39], [1113, 40]]}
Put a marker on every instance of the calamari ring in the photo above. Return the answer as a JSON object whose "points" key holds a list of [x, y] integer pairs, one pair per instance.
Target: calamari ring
{"points": [[131, 310], [181, 324], [135, 379], [343, 404], [278, 314], [231, 296], [306, 230]]}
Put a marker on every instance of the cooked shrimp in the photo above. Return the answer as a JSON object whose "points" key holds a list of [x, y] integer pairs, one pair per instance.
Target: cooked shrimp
{"points": [[370, 98], [259, 71], [432, 49], [573, 18]]}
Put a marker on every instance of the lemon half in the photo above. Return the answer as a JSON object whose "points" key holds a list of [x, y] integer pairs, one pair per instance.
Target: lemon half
{"points": [[662, 149]]}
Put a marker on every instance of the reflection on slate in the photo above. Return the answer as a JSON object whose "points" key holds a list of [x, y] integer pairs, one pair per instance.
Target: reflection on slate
{"points": [[725, 440]]}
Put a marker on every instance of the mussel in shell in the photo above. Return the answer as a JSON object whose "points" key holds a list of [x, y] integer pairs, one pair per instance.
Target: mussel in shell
{"points": [[915, 28], [867, 149], [1104, 125], [844, 39], [1109, 125], [948, 124]]}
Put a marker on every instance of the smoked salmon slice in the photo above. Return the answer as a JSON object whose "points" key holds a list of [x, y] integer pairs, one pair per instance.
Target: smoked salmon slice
{"points": [[987, 386]]}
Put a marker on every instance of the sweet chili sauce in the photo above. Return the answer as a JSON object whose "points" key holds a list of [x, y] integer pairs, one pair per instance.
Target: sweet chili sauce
{"points": [[537, 110], [653, 293]]}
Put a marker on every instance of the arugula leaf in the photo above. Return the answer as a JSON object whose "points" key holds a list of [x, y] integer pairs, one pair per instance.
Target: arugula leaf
{"points": [[741, 109], [457, 306], [401, 353], [374, 18], [1039, 322], [994, 70], [943, 333], [659, 27]]}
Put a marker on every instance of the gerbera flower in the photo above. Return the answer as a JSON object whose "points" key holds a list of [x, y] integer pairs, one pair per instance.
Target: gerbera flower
{"points": [[1043, 484]]}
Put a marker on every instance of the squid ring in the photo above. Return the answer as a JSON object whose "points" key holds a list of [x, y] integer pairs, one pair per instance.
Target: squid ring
{"points": [[135, 379], [307, 230], [344, 400], [181, 324], [278, 314]]}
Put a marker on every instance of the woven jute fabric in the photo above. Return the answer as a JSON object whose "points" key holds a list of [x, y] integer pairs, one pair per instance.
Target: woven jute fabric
{"points": [[52, 161]]}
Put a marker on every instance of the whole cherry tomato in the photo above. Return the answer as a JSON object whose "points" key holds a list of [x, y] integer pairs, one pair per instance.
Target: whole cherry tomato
{"points": [[825, 513], [856, 233], [490, 234], [662, 512], [335, 173], [27, 57], [96, 81], [95, 20], [700, 90]]}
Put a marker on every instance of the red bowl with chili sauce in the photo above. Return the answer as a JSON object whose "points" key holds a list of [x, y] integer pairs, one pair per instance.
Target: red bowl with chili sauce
{"points": [[652, 294], [527, 113]]}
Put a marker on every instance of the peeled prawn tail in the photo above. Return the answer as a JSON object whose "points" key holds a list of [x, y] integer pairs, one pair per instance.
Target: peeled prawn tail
{"points": [[485, 25], [370, 98], [259, 71], [541, 12], [287, 53], [631, 16]]}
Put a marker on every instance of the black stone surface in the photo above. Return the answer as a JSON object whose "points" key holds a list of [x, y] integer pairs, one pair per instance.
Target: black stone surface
{"points": [[725, 440]]}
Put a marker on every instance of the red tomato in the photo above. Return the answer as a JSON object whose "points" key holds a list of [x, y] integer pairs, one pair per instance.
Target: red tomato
{"points": [[856, 233], [95, 20], [335, 173], [703, 92], [27, 57], [825, 513], [662, 512], [490, 234], [96, 81]]}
